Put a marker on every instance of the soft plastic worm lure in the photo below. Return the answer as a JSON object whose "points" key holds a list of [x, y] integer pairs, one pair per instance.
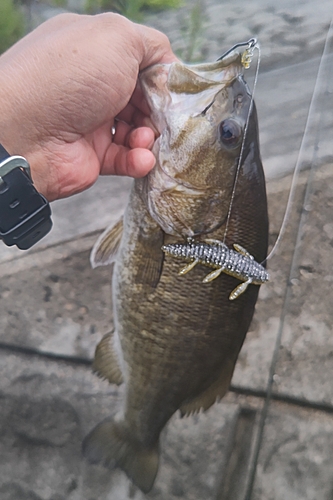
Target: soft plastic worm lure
{"points": [[238, 263]]}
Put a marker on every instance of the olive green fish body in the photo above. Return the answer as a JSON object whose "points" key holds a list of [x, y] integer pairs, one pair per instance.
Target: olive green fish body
{"points": [[176, 340], [171, 336]]}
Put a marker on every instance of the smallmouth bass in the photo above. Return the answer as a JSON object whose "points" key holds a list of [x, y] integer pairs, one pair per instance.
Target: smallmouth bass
{"points": [[176, 341]]}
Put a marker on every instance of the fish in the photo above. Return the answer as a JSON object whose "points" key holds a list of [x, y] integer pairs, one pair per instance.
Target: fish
{"points": [[176, 340]]}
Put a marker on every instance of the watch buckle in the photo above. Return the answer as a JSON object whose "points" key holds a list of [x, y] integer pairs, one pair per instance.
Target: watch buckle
{"points": [[12, 162]]}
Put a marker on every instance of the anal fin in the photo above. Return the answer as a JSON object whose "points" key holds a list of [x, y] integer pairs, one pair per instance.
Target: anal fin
{"points": [[105, 362], [215, 391]]}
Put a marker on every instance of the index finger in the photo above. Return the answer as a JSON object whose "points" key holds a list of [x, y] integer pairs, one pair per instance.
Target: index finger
{"points": [[137, 104]]}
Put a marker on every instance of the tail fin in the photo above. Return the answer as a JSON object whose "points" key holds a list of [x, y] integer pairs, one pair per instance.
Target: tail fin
{"points": [[112, 444]]}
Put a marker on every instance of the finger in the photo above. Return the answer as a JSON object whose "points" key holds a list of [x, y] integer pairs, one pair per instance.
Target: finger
{"points": [[140, 162], [141, 120], [146, 122], [137, 104], [142, 137], [127, 113], [138, 100], [156, 47], [132, 117], [122, 132], [120, 160]]}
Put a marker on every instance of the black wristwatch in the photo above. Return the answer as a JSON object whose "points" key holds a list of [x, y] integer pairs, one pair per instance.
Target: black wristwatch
{"points": [[25, 215]]}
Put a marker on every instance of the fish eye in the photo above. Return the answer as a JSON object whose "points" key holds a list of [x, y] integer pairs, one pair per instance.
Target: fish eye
{"points": [[230, 132]]}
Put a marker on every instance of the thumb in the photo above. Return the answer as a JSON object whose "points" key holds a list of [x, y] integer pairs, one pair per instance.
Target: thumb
{"points": [[155, 47]]}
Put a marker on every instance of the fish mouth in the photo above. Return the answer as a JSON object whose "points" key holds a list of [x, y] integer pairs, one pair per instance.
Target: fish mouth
{"points": [[165, 85], [199, 111]]}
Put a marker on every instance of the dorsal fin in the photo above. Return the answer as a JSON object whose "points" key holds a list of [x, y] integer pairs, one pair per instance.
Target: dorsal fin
{"points": [[105, 250]]}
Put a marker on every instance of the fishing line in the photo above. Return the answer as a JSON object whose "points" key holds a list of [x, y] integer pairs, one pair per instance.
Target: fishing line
{"points": [[297, 169], [287, 298], [246, 58]]}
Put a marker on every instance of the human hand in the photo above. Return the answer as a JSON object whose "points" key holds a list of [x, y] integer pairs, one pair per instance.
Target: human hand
{"points": [[63, 86]]}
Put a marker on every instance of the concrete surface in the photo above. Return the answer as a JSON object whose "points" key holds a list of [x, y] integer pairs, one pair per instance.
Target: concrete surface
{"points": [[271, 436]]}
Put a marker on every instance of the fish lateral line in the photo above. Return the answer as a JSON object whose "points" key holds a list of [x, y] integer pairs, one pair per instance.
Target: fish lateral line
{"points": [[236, 262]]}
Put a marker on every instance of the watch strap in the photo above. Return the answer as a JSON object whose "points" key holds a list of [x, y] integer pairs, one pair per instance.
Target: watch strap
{"points": [[25, 215], [3, 153]]}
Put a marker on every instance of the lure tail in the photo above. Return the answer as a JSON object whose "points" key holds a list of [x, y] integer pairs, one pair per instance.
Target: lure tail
{"points": [[112, 444]]}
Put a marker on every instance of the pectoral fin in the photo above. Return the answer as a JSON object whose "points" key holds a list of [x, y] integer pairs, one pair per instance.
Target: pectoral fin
{"points": [[106, 247], [105, 363]]}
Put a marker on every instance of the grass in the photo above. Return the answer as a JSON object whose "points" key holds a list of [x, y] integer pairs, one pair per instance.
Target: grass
{"points": [[132, 9], [12, 24]]}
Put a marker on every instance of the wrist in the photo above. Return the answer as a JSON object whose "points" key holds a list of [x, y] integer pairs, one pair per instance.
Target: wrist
{"points": [[15, 128], [8, 108]]}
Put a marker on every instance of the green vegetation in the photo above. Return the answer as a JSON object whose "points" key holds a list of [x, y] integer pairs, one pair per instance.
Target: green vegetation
{"points": [[193, 31], [57, 3], [12, 26], [131, 8]]}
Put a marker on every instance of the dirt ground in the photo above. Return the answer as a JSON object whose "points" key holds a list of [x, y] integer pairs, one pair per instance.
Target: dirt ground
{"points": [[271, 437]]}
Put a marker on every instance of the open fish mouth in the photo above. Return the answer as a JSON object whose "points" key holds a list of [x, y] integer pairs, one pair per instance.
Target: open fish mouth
{"points": [[201, 112], [166, 85]]}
